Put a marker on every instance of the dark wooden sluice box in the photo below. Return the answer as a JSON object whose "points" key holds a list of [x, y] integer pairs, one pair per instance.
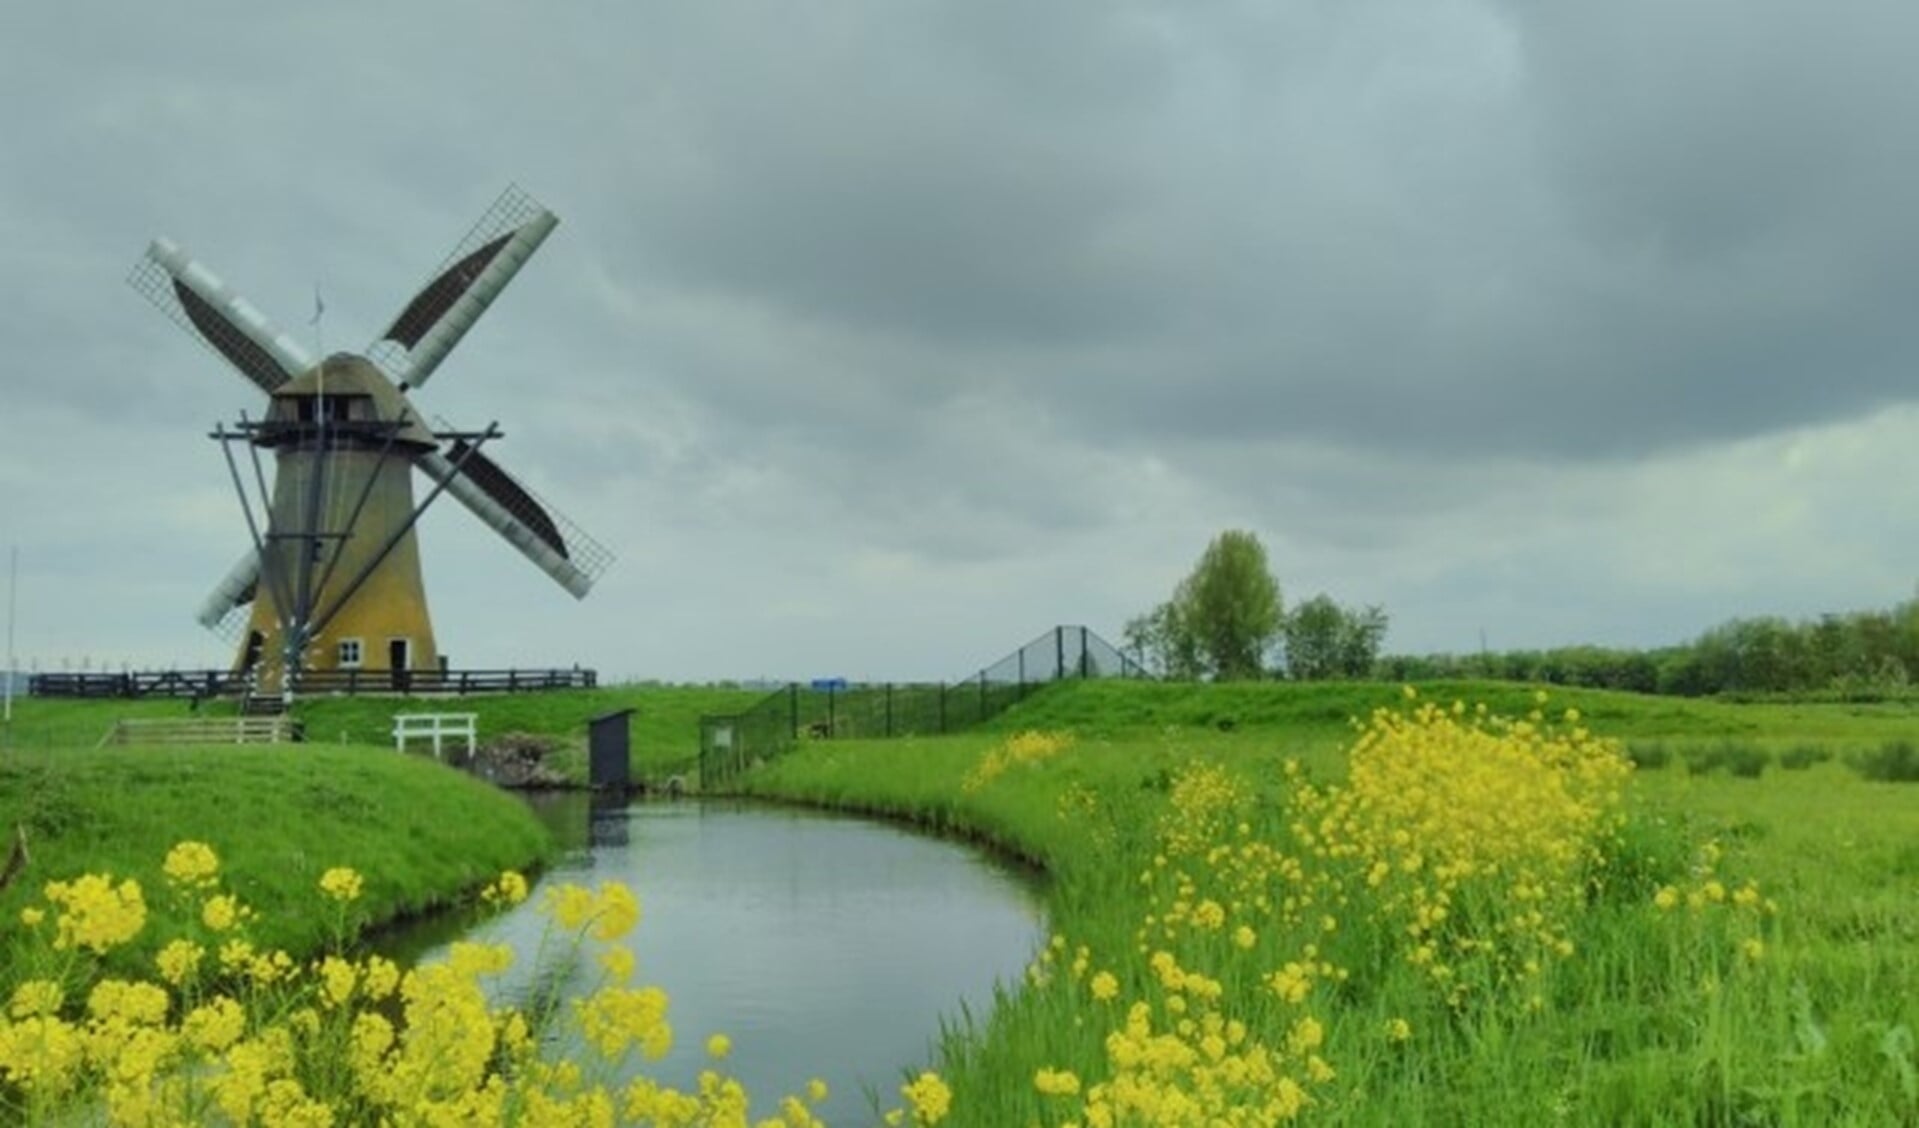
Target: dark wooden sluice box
{"points": [[609, 745]]}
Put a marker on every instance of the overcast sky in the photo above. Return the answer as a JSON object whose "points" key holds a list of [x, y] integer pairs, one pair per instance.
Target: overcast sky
{"points": [[877, 338]]}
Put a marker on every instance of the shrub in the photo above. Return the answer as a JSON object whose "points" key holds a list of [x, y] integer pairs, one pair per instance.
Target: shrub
{"points": [[1747, 761], [1802, 756], [1895, 761], [1648, 755], [1703, 761]]}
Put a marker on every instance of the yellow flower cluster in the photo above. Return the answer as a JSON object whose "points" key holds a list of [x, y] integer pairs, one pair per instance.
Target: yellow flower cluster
{"points": [[1192, 1045], [1733, 918], [259, 1038], [927, 1097], [1463, 846], [94, 913], [1020, 749], [342, 883], [608, 913], [191, 865], [1474, 839], [507, 890]]}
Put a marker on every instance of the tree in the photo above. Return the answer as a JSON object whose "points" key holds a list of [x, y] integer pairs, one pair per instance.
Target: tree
{"points": [[1221, 620], [1324, 640], [1312, 639], [1162, 644]]}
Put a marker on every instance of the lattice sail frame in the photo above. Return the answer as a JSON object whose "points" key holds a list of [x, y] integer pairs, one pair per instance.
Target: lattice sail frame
{"points": [[454, 295]]}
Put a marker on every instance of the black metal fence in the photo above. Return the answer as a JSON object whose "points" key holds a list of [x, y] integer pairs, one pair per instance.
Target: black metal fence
{"points": [[832, 709], [226, 683]]}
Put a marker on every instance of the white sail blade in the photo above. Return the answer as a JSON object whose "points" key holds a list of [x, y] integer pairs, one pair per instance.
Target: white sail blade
{"points": [[235, 591], [461, 289], [195, 298], [558, 547]]}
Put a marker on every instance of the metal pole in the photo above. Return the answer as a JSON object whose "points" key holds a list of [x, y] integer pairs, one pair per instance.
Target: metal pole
{"points": [[13, 585]]}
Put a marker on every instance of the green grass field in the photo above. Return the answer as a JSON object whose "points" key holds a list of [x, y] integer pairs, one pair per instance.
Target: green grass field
{"points": [[1215, 940], [1705, 1015], [278, 816]]}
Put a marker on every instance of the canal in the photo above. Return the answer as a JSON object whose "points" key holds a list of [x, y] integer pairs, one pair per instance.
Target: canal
{"points": [[821, 945]]}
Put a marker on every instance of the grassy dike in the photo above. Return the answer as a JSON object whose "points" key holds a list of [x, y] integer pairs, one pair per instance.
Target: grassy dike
{"points": [[664, 728], [278, 817], [1699, 1011]]}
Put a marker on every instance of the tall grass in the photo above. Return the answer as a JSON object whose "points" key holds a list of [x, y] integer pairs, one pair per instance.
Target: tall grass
{"points": [[279, 816], [1701, 1012]]}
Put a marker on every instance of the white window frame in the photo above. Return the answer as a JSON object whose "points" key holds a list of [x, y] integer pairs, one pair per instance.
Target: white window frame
{"points": [[358, 658]]}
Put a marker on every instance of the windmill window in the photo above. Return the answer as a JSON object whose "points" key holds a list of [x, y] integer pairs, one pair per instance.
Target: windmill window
{"points": [[349, 653]]}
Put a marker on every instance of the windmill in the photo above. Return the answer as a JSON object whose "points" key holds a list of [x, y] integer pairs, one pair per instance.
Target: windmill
{"points": [[333, 574]]}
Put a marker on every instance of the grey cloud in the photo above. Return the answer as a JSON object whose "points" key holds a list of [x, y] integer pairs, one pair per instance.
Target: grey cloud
{"points": [[948, 317]]}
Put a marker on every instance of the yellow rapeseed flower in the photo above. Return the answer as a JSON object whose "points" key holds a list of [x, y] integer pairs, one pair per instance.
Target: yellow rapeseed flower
{"points": [[179, 961], [222, 912], [337, 980], [191, 864], [142, 1004], [36, 997], [616, 911], [214, 1025], [95, 913], [342, 883], [618, 963], [929, 1098], [508, 889], [1056, 1082], [718, 1046], [379, 977], [570, 905]]}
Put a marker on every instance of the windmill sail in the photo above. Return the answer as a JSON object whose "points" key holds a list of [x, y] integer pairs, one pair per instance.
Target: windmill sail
{"points": [[460, 290], [195, 299], [542, 534], [235, 591]]}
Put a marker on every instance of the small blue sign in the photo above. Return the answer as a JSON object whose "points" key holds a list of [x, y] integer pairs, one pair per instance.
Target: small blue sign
{"points": [[829, 685]]}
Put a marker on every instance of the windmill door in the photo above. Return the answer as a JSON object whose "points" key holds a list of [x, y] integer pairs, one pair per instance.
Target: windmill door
{"points": [[399, 654]]}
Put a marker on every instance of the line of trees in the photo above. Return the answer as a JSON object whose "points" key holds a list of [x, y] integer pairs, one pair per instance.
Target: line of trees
{"points": [[1226, 622], [1863, 654]]}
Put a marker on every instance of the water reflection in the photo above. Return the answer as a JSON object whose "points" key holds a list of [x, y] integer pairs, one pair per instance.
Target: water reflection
{"points": [[824, 946]]}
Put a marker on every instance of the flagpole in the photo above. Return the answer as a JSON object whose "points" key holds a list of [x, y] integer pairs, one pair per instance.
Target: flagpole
{"points": [[13, 584]]}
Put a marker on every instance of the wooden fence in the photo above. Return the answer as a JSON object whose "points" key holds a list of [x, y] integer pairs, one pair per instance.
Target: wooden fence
{"points": [[226, 683], [203, 730]]}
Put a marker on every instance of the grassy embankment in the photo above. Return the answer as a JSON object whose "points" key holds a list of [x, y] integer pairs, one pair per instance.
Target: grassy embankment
{"points": [[278, 817], [1706, 1011], [664, 727]]}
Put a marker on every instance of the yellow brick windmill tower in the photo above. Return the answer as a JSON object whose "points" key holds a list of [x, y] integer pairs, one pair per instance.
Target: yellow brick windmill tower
{"points": [[333, 576]]}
